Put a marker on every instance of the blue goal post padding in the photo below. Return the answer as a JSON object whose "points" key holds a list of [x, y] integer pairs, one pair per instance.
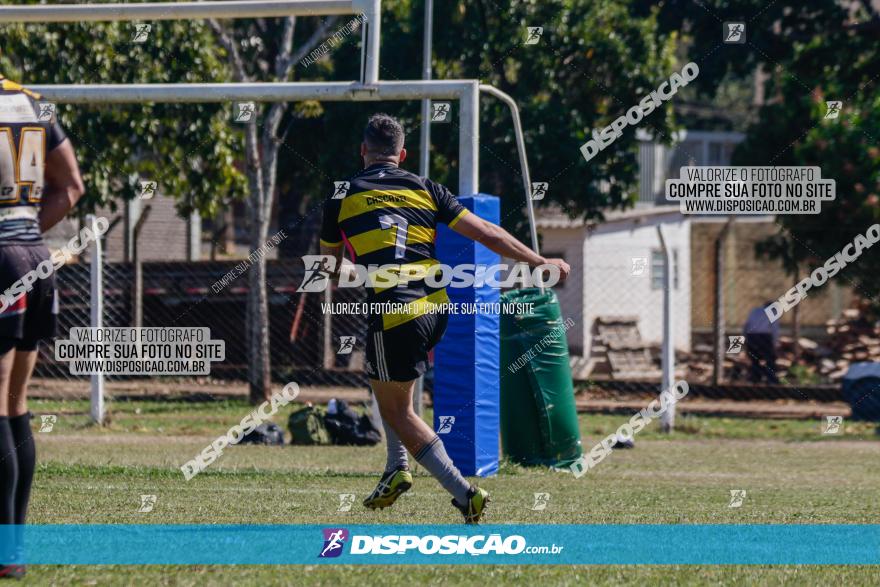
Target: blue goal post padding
{"points": [[466, 369]]}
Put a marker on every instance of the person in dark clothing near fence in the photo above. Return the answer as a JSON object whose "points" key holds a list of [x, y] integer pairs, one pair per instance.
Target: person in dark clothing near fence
{"points": [[762, 337]]}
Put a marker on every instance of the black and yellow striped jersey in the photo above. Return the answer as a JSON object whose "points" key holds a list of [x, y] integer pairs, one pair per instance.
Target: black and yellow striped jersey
{"points": [[385, 215], [28, 132]]}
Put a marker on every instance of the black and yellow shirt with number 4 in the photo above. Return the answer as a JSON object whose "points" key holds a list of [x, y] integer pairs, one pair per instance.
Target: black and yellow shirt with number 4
{"points": [[385, 215], [28, 132]]}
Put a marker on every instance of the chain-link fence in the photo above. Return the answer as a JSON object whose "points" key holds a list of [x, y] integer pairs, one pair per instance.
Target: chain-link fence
{"points": [[305, 343], [615, 298]]}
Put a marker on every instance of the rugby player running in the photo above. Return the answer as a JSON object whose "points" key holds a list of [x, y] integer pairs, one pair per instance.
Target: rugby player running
{"points": [[39, 184], [389, 217]]}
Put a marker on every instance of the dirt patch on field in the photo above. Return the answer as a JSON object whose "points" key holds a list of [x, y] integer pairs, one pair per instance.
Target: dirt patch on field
{"points": [[209, 390], [195, 390]]}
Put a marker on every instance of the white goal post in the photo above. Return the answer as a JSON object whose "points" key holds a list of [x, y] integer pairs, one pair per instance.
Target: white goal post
{"points": [[369, 88]]}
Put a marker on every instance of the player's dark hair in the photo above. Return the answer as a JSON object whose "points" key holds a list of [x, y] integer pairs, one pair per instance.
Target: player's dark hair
{"points": [[383, 135]]}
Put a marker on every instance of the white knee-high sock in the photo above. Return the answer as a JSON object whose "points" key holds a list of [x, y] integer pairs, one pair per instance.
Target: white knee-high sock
{"points": [[397, 456], [433, 457]]}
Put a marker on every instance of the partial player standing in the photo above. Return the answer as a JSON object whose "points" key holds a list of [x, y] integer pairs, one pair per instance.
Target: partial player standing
{"points": [[39, 184]]}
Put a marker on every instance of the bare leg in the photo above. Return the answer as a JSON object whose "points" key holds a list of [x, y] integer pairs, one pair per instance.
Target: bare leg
{"points": [[6, 364], [395, 405], [22, 368]]}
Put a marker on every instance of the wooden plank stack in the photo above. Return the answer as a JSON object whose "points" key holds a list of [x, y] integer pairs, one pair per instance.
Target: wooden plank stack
{"points": [[850, 339], [619, 352]]}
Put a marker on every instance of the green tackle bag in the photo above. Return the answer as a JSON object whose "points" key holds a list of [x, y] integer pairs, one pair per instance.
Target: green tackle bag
{"points": [[307, 427]]}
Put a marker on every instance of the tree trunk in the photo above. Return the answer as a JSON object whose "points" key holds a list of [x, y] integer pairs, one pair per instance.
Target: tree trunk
{"points": [[262, 164], [259, 379]]}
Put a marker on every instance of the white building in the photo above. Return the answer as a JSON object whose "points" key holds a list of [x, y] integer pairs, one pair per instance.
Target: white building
{"points": [[617, 270], [617, 265]]}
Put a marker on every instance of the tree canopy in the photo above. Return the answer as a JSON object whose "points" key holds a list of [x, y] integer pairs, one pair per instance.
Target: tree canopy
{"points": [[810, 53], [594, 60], [191, 150]]}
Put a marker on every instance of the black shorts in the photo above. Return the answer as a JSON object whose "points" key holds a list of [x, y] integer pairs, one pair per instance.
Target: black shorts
{"points": [[401, 353], [26, 319]]}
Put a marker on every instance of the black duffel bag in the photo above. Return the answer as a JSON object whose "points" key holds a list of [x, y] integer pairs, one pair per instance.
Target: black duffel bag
{"points": [[266, 433], [347, 427]]}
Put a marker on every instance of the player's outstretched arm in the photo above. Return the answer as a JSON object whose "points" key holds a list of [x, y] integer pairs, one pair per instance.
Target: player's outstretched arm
{"points": [[502, 242], [64, 185]]}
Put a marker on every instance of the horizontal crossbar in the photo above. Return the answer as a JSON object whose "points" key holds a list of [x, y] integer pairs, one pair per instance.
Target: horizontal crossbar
{"points": [[178, 10], [257, 92]]}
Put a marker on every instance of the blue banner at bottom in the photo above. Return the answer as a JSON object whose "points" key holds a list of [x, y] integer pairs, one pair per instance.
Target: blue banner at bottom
{"points": [[422, 544]]}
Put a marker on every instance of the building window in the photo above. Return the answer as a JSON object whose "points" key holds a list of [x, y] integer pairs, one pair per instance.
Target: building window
{"points": [[657, 274]]}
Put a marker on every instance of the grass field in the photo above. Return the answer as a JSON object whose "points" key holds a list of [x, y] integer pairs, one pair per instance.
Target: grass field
{"points": [[791, 472]]}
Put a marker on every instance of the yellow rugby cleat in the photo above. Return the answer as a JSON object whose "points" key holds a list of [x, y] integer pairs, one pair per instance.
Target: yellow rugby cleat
{"points": [[473, 512], [392, 485]]}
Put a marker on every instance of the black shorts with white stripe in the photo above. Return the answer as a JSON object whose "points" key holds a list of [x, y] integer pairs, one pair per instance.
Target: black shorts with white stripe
{"points": [[29, 310], [401, 353]]}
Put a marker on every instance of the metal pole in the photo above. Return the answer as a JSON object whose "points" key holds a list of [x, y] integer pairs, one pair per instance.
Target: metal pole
{"points": [[523, 161], [719, 319], [469, 140], [178, 10], [329, 350], [425, 134], [96, 306], [667, 357], [425, 155], [131, 211], [149, 11], [258, 92], [138, 285], [372, 10]]}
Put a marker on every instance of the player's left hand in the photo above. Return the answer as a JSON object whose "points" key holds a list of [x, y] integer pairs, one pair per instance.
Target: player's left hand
{"points": [[564, 268]]}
